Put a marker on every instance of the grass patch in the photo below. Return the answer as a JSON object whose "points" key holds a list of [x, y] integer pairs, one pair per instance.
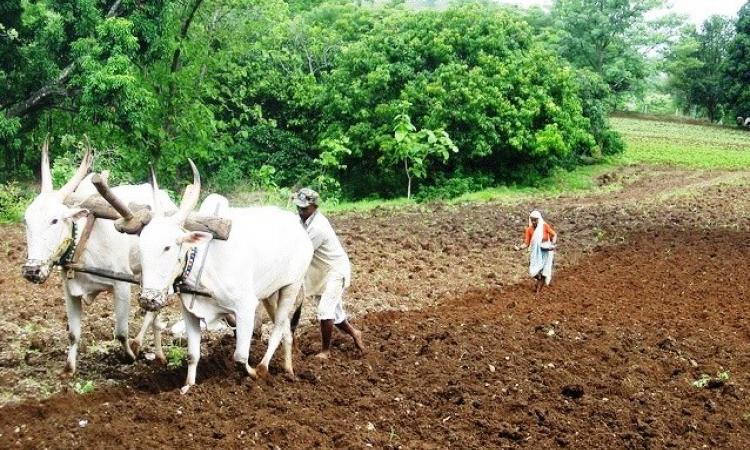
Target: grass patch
{"points": [[368, 205], [684, 145], [580, 180]]}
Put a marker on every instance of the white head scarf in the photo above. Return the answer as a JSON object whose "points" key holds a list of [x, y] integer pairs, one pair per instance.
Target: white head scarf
{"points": [[536, 238]]}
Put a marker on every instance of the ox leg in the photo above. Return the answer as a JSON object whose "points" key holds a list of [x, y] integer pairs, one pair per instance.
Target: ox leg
{"points": [[245, 320], [281, 329], [73, 309], [193, 330], [270, 304], [158, 325], [121, 293], [137, 343], [258, 324]]}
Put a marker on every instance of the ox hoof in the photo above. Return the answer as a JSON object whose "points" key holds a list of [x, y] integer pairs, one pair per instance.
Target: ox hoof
{"points": [[129, 358], [161, 359], [262, 372], [184, 390], [244, 368], [289, 376], [66, 374], [135, 346]]}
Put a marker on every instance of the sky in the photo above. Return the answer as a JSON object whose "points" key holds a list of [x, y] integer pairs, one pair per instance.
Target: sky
{"points": [[696, 10]]}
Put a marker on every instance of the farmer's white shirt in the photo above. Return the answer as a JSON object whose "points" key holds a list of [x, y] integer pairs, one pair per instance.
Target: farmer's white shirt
{"points": [[328, 258]]}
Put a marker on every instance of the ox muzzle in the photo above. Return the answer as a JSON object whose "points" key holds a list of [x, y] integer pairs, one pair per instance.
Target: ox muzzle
{"points": [[36, 271], [153, 299]]}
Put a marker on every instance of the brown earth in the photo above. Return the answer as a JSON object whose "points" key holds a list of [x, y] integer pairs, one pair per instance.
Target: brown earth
{"points": [[403, 260], [604, 359], [620, 329]]}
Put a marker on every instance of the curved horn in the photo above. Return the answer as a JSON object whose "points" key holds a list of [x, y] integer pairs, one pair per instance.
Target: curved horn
{"points": [[46, 174], [83, 169], [154, 191], [100, 183], [191, 195]]}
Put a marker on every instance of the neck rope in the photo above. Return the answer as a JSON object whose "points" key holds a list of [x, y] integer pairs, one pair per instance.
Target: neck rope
{"points": [[67, 248]]}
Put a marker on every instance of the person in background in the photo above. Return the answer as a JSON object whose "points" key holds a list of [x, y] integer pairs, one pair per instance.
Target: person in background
{"points": [[329, 273], [540, 239]]}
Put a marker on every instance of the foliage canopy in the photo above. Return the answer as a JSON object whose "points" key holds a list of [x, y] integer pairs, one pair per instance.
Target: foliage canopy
{"points": [[276, 94]]}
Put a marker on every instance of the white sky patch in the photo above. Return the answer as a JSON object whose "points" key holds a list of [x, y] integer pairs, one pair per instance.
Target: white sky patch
{"points": [[696, 10]]}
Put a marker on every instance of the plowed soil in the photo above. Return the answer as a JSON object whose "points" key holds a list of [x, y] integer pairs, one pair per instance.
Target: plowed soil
{"points": [[652, 294], [605, 359]]}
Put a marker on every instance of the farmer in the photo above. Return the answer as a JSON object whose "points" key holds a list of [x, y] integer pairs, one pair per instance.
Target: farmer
{"points": [[329, 273], [540, 239]]}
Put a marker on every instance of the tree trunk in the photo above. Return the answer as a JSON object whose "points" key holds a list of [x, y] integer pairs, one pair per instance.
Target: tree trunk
{"points": [[408, 177], [44, 95]]}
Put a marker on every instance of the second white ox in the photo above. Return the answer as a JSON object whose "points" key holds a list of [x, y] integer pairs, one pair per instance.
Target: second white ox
{"points": [[54, 229], [267, 252]]}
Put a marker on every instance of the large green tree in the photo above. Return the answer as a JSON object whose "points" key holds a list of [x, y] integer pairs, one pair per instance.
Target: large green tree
{"points": [[737, 67], [611, 37], [695, 65]]}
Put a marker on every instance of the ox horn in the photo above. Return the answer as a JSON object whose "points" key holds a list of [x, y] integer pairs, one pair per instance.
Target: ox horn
{"points": [[100, 183], [191, 195], [154, 191], [46, 174], [83, 169], [130, 222]]}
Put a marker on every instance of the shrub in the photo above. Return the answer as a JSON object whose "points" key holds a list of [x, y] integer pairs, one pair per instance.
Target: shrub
{"points": [[13, 202], [448, 188]]}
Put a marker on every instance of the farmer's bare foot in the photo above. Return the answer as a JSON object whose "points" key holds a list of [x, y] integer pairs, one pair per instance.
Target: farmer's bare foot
{"points": [[323, 355], [357, 336]]}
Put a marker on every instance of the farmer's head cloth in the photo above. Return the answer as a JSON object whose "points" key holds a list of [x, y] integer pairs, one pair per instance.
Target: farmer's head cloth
{"points": [[306, 197]]}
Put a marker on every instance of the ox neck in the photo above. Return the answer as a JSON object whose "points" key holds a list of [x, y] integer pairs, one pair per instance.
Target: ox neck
{"points": [[67, 248]]}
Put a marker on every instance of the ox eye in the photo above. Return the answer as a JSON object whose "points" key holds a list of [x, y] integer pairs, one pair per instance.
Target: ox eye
{"points": [[54, 221], [166, 249]]}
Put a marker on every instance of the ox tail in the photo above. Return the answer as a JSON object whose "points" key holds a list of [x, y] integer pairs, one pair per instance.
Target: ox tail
{"points": [[298, 310], [296, 316]]}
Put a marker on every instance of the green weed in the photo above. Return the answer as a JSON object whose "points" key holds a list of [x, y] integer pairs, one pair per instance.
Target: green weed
{"points": [[83, 387], [176, 356], [706, 381]]}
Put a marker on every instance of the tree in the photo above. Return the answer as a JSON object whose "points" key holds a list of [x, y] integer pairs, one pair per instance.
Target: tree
{"points": [[695, 66], [71, 67], [737, 68], [611, 37], [414, 148]]}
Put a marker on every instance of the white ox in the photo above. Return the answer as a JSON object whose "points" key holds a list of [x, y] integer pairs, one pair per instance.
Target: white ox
{"points": [[218, 205], [50, 233], [267, 252]]}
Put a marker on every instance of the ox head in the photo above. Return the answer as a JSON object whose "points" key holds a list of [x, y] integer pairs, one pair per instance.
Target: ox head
{"points": [[49, 221], [163, 244]]}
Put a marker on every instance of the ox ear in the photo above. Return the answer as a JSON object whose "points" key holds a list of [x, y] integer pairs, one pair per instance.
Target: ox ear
{"points": [[77, 213], [195, 238]]}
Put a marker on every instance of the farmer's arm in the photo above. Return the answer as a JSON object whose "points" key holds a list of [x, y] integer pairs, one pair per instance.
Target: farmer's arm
{"points": [[552, 234], [526, 239]]}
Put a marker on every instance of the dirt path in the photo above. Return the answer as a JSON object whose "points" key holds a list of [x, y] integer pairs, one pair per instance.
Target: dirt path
{"points": [[605, 359]]}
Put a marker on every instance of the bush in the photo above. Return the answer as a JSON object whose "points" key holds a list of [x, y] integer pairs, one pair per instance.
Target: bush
{"points": [[13, 202], [456, 186], [480, 74]]}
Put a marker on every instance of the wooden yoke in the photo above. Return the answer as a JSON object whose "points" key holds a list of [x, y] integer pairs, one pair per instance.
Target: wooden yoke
{"points": [[133, 217]]}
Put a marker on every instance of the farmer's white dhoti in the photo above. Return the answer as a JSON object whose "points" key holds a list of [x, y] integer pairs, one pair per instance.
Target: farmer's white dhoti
{"points": [[330, 303]]}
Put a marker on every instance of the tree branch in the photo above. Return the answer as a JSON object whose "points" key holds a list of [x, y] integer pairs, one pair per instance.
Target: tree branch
{"points": [[41, 96], [183, 35]]}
